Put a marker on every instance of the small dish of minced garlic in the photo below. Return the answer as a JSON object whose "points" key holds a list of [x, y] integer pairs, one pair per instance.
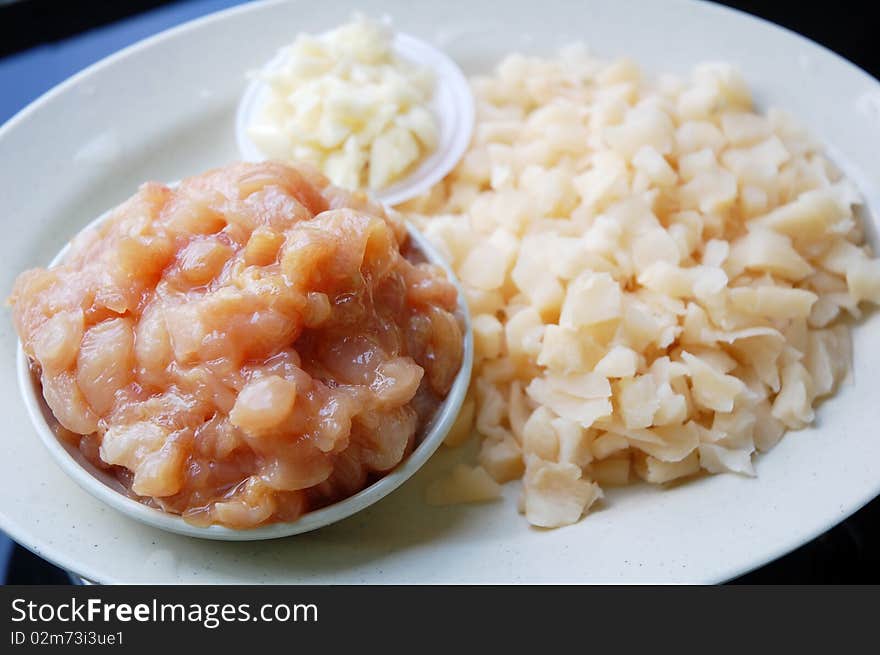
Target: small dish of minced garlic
{"points": [[372, 109]]}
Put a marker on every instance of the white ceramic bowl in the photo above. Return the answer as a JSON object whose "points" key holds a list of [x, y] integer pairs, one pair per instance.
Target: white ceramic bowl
{"points": [[452, 106], [106, 488]]}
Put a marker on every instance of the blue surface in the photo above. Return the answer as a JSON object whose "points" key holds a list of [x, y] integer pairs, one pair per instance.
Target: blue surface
{"points": [[27, 75]]}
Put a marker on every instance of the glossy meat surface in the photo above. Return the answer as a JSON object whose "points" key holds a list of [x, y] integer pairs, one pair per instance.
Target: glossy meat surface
{"points": [[244, 348]]}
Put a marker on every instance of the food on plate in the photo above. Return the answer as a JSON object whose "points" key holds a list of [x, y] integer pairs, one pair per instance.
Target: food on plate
{"points": [[346, 103], [464, 484], [658, 276], [243, 348]]}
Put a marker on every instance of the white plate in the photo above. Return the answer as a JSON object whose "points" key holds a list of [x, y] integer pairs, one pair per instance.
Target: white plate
{"points": [[163, 109], [452, 105]]}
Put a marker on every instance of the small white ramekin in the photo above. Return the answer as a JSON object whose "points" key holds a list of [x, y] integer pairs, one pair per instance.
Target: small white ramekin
{"points": [[452, 105], [106, 488]]}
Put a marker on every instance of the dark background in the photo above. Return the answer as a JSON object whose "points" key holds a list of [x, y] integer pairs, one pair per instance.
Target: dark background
{"points": [[42, 42]]}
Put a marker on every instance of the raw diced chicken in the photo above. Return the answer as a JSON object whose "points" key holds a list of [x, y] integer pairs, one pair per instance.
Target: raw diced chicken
{"points": [[244, 348]]}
